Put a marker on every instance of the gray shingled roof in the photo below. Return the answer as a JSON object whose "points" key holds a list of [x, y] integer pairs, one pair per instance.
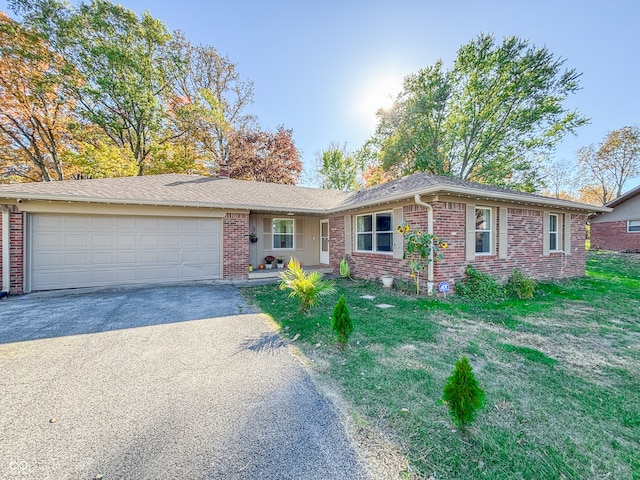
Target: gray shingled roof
{"points": [[624, 197], [182, 190], [425, 184], [193, 190]]}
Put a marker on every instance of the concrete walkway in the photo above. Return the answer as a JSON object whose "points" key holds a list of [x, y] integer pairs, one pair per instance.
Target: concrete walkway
{"points": [[212, 398]]}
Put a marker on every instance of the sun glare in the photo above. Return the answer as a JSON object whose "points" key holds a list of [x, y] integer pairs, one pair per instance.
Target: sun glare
{"points": [[378, 93]]}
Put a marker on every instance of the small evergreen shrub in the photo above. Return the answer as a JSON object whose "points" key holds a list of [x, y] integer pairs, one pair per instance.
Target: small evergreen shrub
{"points": [[479, 286], [521, 286], [341, 321], [462, 393]]}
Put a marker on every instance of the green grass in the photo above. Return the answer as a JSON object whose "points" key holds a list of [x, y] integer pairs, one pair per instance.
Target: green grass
{"points": [[561, 372]]}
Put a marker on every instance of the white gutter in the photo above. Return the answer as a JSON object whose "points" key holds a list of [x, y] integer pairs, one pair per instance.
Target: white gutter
{"points": [[6, 251], [419, 201]]}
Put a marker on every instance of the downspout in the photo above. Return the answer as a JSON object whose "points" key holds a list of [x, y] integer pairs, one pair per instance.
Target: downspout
{"points": [[6, 251], [430, 232]]}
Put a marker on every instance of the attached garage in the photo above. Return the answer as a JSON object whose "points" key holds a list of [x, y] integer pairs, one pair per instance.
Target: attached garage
{"points": [[81, 250]]}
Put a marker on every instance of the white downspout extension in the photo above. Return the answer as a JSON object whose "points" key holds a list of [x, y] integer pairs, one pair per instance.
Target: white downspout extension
{"points": [[430, 232], [6, 251]]}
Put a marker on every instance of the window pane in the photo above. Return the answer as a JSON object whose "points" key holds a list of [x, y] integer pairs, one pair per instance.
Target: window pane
{"points": [[383, 222], [634, 226], [553, 241], [482, 242], [483, 219], [553, 223], [384, 242], [365, 242], [364, 223], [283, 226], [282, 241]]}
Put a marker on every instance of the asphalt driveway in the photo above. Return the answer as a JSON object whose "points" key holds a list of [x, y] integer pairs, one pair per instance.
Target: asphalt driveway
{"points": [[169, 382]]}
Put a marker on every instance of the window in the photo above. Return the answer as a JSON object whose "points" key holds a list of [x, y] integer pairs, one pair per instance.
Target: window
{"points": [[483, 230], [283, 232], [633, 226], [374, 232], [553, 232]]}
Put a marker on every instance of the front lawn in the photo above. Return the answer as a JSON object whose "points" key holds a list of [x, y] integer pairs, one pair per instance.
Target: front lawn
{"points": [[561, 374]]}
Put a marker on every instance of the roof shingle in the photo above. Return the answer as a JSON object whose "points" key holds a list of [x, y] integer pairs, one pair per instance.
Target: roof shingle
{"points": [[193, 190]]}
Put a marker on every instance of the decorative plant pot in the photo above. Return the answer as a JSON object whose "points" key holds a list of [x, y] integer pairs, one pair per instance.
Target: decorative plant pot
{"points": [[268, 266], [253, 239], [280, 265], [387, 281]]}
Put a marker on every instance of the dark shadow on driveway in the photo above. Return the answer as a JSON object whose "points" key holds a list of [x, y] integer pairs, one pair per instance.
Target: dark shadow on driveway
{"points": [[51, 314]]}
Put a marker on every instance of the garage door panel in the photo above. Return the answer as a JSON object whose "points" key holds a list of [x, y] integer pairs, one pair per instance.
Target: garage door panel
{"points": [[147, 240], [101, 240], [77, 259], [170, 240], [149, 257], [124, 275], [171, 224], [126, 240], [83, 250], [102, 223], [49, 240], [126, 223], [126, 257], [170, 257], [102, 258], [74, 222], [76, 240]]}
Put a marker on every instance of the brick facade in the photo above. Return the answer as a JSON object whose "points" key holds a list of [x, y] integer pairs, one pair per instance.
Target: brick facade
{"points": [[235, 246], [614, 236], [524, 251], [16, 249]]}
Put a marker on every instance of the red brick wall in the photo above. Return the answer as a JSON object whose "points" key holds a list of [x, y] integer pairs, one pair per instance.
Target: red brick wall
{"points": [[16, 250], [614, 236], [524, 247], [235, 246]]}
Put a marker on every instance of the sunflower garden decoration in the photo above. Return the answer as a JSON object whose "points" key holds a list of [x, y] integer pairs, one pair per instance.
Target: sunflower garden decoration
{"points": [[419, 247]]}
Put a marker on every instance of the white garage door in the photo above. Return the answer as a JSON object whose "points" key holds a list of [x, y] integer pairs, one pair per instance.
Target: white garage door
{"points": [[69, 251]]}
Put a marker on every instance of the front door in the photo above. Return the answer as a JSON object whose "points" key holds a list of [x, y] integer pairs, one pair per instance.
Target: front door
{"points": [[324, 242]]}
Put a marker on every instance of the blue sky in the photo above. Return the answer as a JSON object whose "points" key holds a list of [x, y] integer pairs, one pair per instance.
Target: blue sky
{"points": [[323, 68]]}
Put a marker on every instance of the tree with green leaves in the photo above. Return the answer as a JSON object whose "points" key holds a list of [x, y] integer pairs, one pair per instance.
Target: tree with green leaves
{"points": [[35, 108], [136, 95], [463, 394], [606, 168], [126, 65], [485, 119], [213, 102], [341, 322], [338, 168]]}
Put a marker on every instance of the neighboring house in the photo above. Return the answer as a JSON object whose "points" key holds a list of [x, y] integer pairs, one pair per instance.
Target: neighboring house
{"points": [[618, 230], [170, 228]]}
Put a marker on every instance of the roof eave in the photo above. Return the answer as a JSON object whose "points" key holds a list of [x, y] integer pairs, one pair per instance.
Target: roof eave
{"points": [[156, 203], [478, 194]]}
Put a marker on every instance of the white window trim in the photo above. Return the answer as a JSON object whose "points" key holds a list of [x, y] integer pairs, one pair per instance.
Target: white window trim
{"points": [[373, 232], [556, 232], [491, 231], [637, 222], [292, 234]]}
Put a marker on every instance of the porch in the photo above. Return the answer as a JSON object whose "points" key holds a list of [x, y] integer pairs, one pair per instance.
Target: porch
{"points": [[275, 272]]}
